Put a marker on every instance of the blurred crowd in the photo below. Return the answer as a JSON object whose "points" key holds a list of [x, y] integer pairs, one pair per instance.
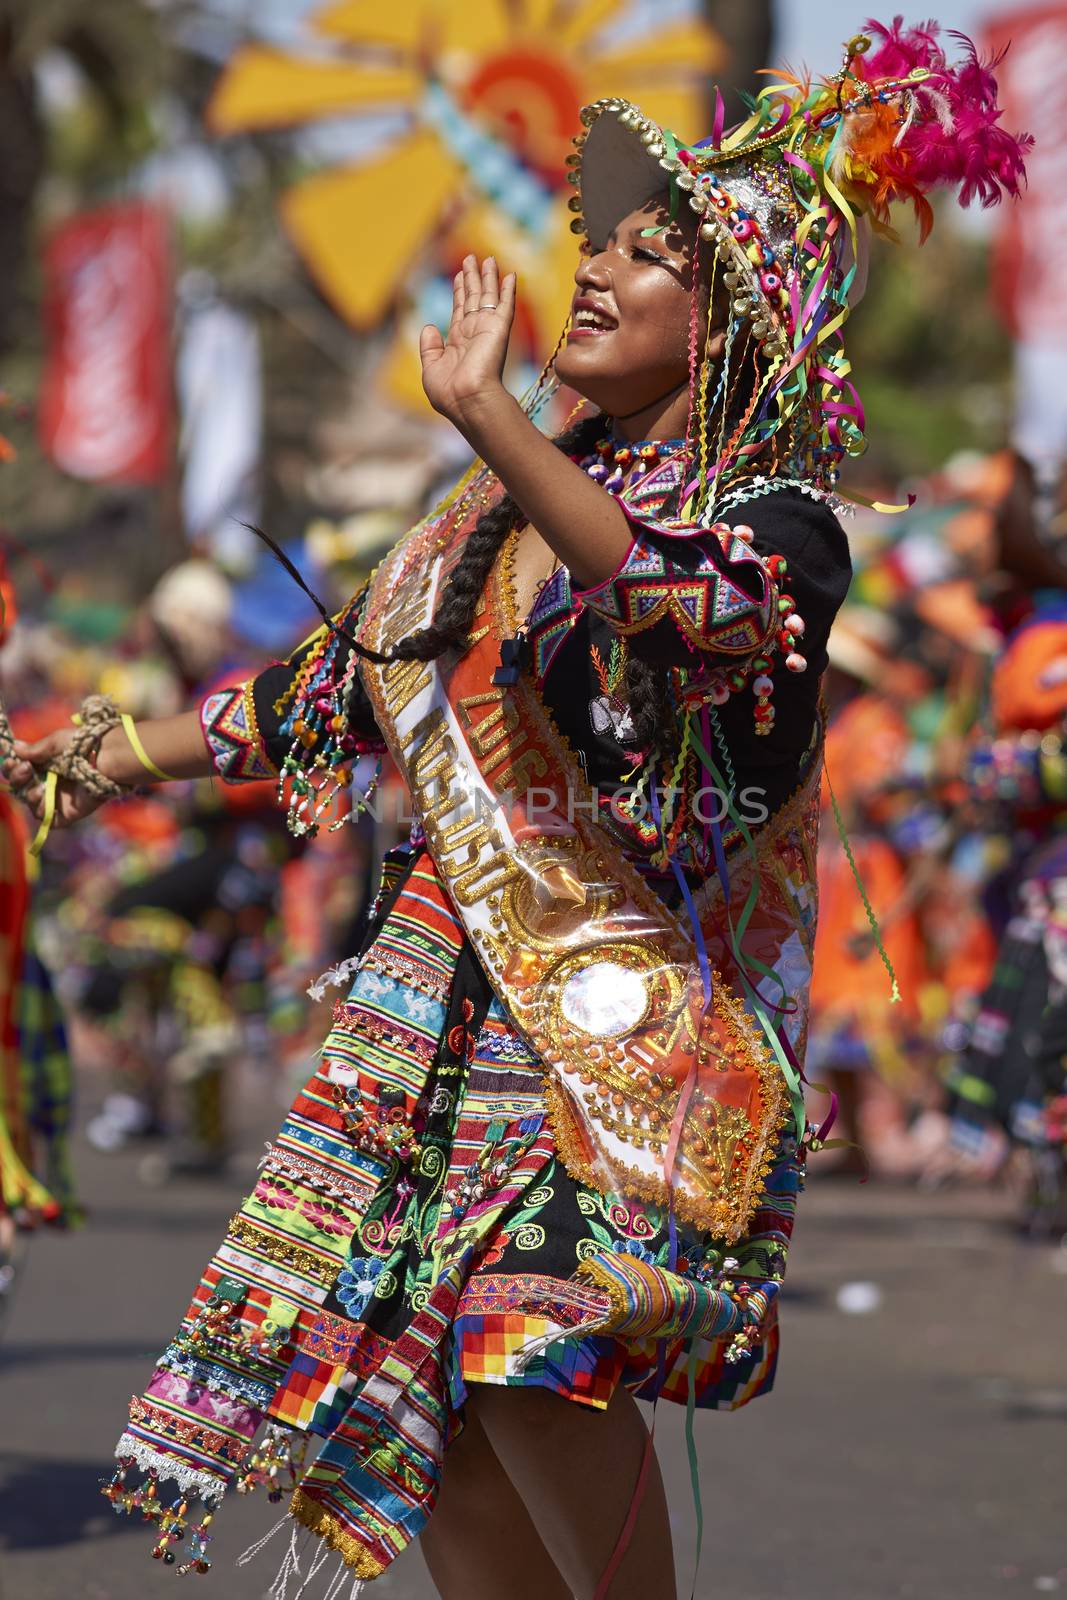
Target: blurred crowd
{"points": [[153, 960], [937, 1000], [157, 958]]}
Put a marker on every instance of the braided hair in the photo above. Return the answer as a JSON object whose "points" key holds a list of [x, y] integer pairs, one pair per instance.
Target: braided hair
{"points": [[647, 687], [452, 620], [459, 600]]}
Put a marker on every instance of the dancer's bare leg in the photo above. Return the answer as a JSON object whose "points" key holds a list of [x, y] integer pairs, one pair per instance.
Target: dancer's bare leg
{"points": [[480, 1543], [575, 1470]]}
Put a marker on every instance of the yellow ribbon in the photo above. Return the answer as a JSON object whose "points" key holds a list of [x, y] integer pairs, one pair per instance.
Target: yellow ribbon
{"points": [[48, 817], [130, 730]]}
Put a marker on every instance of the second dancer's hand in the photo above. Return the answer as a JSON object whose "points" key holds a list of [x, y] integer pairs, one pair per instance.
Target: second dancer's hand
{"points": [[463, 372], [26, 770]]}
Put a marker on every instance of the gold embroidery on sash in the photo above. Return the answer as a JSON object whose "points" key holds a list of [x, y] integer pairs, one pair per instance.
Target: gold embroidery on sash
{"points": [[520, 772], [404, 680], [498, 737], [432, 752], [459, 847], [397, 621], [486, 877], [544, 908], [488, 732]]}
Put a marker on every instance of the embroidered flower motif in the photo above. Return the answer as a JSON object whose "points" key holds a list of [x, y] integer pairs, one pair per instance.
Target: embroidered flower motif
{"points": [[274, 1192], [355, 1283], [326, 1218]]}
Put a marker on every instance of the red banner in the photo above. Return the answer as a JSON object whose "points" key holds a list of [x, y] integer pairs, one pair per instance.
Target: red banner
{"points": [[105, 410], [1031, 283]]}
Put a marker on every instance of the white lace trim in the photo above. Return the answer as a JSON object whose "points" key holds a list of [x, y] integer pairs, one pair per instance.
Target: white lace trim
{"points": [[303, 1172], [190, 1480]]}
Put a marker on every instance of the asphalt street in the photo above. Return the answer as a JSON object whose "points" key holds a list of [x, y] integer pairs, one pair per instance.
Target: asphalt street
{"points": [[915, 1445]]}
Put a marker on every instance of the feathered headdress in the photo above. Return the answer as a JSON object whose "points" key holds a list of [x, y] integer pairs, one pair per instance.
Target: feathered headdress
{"points": [[899, 120], [785, 200]]}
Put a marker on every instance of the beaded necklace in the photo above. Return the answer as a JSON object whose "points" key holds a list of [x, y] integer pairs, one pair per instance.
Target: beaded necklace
{"points": [[607, 465], [612, 459]]}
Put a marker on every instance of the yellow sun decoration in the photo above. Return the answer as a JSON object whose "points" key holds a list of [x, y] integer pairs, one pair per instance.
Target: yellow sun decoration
{"points": [[490, 92]]}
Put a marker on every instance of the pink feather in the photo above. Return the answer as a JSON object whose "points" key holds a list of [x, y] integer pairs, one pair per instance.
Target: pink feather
{"points": [[965, 148]]}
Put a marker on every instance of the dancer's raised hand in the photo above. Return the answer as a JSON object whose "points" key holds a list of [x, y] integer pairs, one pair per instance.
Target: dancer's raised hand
{"points": [[461, 371]]}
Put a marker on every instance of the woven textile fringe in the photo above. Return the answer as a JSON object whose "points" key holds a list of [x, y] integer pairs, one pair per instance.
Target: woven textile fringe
{"points": [[337, 1582], [254, 1549], [597, 1311], [537, 1347], [318, 1561], [290, 1568]]}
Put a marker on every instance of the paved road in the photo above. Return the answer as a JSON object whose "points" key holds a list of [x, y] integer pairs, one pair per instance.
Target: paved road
{"points": [[918, 1449]]}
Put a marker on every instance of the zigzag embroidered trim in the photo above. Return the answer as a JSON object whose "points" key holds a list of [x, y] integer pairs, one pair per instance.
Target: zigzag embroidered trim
{"points": [[233, 743], [205, 1485]]}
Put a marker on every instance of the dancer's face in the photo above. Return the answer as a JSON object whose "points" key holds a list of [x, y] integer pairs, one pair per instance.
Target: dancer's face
{"points": [[628, 345]]}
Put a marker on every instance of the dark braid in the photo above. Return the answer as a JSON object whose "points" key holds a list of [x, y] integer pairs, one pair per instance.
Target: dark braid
{"points": [[651, 706], [459, 602], [647, 687]]}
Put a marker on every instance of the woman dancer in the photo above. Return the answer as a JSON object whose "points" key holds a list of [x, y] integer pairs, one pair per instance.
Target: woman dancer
{"points": [[552, 1148]]}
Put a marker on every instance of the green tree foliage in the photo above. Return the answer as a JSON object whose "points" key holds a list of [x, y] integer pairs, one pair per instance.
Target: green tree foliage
{"points": [[930, 357]]}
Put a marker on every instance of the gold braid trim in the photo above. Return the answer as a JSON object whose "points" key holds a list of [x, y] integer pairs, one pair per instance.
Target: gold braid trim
{"points": [[285, 1252], [326, 1526], [728, 1214], [248, 697]]}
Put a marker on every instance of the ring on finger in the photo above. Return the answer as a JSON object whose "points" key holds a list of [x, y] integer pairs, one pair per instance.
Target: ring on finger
{"points": [[487, 305]]}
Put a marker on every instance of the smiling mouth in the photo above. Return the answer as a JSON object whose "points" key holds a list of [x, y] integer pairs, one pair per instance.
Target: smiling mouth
{"points": [[586, 322]]}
